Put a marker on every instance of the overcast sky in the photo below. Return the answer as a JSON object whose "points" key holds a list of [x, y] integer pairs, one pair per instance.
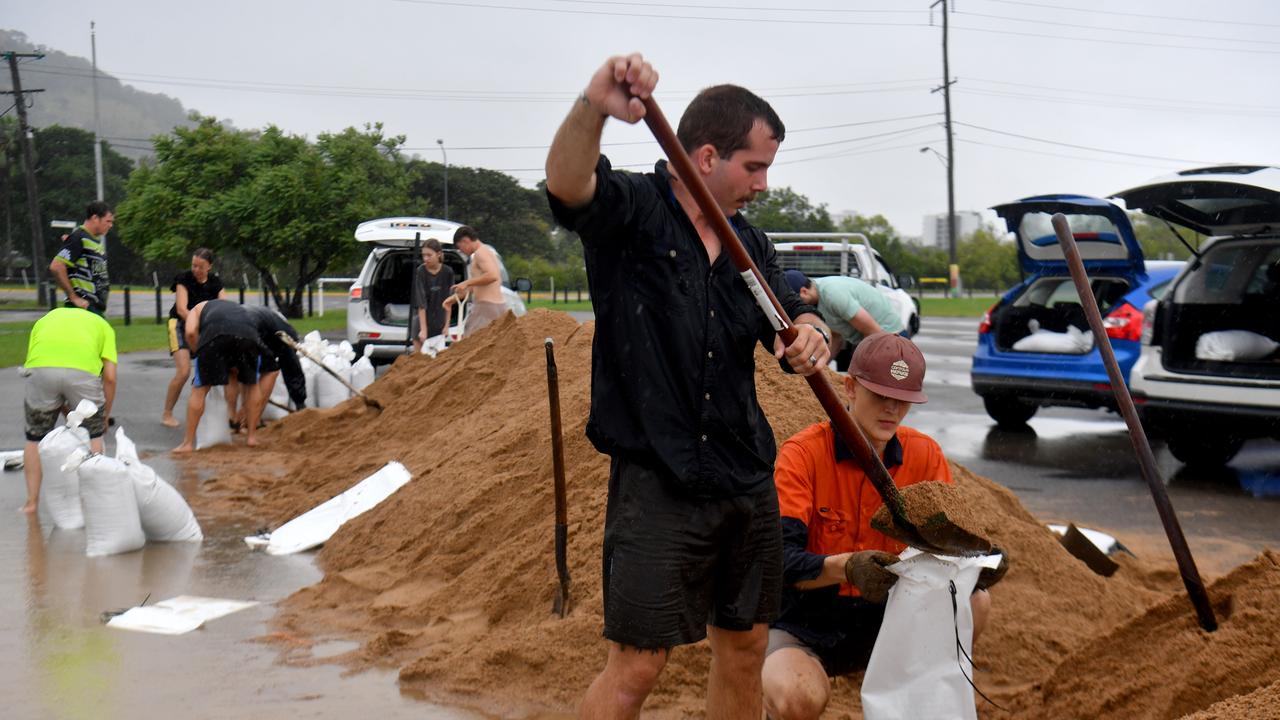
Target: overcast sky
{"points": [[1051, 95]]}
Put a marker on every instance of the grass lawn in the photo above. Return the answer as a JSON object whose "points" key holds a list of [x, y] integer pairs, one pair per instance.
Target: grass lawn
{"points": [[972, 307], [145, 335], [584, 306]]}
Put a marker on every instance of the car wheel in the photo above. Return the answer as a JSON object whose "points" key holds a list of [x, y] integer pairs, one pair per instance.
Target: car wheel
{"points": [[1205, 449], [913, 326], [1009, 411]]}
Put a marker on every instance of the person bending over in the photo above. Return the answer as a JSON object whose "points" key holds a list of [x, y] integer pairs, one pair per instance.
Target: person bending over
{"points": [[227, 351]]}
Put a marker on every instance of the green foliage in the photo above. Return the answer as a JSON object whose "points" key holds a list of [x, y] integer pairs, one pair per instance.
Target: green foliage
{"points": [[65, 183], [1158, 242], [900, 256], [568, 274], [987, 263], [285, 205], [514, 219], [782, 209]]}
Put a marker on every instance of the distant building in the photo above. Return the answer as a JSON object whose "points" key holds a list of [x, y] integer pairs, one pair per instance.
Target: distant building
{"points": [[935, 228]]}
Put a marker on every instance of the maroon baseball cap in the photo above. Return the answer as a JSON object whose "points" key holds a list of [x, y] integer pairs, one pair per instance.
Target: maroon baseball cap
{"points": [[890, 365]]}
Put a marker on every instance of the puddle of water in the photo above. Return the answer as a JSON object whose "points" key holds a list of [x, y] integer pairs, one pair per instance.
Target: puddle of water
{"points": [[57, 659]]}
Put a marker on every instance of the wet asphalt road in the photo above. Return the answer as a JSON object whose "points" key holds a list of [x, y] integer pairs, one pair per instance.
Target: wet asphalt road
{"points": [[57, 660]]}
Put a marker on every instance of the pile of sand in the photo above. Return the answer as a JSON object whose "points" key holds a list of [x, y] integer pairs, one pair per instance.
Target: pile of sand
{"points": [[451, 579]]}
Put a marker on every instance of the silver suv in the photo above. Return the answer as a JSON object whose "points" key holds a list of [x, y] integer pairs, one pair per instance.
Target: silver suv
{"points": [[1206, 398], [378, 314]]}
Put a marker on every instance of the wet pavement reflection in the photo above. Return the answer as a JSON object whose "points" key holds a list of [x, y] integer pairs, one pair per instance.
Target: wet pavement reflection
{"points": [[58, 659]]}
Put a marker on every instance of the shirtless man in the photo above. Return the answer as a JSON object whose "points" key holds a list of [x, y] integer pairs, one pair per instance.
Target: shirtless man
{"points": [[484, 279]]}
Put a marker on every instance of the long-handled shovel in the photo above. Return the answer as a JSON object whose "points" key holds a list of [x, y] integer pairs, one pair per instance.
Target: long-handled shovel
{"points": [[303, 351], [936, 534], [1146, 460], [561, 604]]}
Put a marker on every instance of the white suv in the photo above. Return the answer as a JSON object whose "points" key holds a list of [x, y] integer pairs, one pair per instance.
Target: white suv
{"points": [[378, 315], [1204, 405]]}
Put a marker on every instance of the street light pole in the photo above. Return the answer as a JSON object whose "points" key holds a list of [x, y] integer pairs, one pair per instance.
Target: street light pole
{"points": [[951, 180], [97, 131], [440, 142]]}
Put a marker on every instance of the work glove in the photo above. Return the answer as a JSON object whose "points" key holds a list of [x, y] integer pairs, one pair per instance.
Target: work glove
{"points": [[865, 570], [991, 576]]}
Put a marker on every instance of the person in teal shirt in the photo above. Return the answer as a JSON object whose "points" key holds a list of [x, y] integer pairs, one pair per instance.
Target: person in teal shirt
{"points": [[852, 308], [71, 356]]}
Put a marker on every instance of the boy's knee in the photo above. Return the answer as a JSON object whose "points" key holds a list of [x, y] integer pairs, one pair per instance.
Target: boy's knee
{"points": [[980, 603]]}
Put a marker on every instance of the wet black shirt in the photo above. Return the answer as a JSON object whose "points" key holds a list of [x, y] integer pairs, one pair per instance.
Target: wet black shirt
{"points": [[269, 322], [429, 292], [221, 318], [673, 359], [197, 292]]}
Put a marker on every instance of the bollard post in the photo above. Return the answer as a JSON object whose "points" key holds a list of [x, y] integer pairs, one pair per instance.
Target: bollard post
{"points": [[53, 299], [128, 311], [528, 295], [311, 301], [579, 293], [158, 320], [241, 294]]}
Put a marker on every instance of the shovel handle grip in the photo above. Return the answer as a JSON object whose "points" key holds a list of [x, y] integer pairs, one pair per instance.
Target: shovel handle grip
{"points": [[844, 426]]}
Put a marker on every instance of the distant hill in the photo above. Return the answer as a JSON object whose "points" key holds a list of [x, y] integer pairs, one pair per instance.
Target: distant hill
{"points": [[129, 116]]}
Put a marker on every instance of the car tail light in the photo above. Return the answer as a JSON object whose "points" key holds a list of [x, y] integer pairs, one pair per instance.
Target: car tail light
{"points": [[984, 327], [1123, 323], [1149, 321], [356, 292]]}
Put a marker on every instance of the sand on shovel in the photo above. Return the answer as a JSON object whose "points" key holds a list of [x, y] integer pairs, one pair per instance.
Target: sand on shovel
{"points": [[451, 579], [941, 515]]}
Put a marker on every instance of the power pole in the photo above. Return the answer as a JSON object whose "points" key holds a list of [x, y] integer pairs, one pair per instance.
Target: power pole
{"points": [[28, 160], [97, 131], [951, 154]]}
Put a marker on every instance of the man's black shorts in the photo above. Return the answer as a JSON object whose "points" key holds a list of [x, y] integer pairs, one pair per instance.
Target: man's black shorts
{"points": [[269, 364], [215, 360], [859, 626], [674, 563]]}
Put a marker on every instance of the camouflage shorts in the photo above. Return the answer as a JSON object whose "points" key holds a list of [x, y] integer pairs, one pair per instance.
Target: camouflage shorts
{"points": [[49, 389]]}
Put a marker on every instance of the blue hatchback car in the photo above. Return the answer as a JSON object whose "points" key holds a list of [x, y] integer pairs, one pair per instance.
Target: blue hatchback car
{"points": [[1015, 383]]}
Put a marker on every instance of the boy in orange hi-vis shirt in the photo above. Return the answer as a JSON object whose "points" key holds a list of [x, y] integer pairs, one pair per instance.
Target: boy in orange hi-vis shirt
{"points": [[835, 583]]}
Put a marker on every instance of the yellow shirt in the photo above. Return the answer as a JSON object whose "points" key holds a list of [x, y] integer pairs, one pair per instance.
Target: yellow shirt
{"points": [[71, 338]]}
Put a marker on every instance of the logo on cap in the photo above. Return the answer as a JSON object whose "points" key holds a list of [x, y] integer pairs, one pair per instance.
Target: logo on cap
{"points": [[899, 370]]}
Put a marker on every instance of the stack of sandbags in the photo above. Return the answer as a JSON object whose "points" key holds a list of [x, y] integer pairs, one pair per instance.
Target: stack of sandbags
{"points": [[323, 389], [125, 503], [362, 372], [279, 397], [59, 489]]}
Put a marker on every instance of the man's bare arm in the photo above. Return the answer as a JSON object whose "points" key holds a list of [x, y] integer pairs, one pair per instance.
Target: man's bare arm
{"points": [[108, 386], [58, 270], [614, 91], [864, 323], [193, 326]]}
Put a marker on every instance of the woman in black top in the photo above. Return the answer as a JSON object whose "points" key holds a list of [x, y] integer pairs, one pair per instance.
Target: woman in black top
{"points": [[190, 288]]}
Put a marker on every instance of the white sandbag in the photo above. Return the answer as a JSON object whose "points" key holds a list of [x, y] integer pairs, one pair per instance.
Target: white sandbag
{"points": [[1234, 346], [60, 490], [164, 515], [329, 391], [434, 345], [111, 522], [213, 428], [345, 351], [280, 395], [310, 372], [362, 372], [317, 525], [916, 670], [1072, 342]]}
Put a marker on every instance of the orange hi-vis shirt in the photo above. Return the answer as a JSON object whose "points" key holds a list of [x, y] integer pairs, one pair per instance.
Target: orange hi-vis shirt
{"points": [[821, 485]]}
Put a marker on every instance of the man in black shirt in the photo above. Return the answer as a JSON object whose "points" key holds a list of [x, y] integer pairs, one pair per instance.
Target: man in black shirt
{"points": [[692, 544], [80, 267], [224, 339], [278, 358]]}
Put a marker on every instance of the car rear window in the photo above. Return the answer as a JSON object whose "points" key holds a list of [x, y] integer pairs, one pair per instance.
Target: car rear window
{"points": [[1229, 272]]}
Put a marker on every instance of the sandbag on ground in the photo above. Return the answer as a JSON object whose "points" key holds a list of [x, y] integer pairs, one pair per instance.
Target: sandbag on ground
{"points": [[164, 515], [60, 490], [111, 521], [213, 428]]}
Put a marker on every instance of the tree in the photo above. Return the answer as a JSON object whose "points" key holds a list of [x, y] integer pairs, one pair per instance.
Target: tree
{"points": [[286, 205], [1158, 242], [515, 219], [987, 263], [900, 256], [785, 210], [65, 179]]}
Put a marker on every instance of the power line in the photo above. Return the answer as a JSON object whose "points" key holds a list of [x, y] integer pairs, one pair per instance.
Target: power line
{"points": [[790, 131], [691, 6], [1064, 155], [1125, 95], [1091, 11], [1111, 104], [719, 18], [1105, 41], [1127, 31], [1084, 147]]}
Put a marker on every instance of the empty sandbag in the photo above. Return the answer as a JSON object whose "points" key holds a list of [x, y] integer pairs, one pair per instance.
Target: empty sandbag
{"points": [[213, 428]]}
